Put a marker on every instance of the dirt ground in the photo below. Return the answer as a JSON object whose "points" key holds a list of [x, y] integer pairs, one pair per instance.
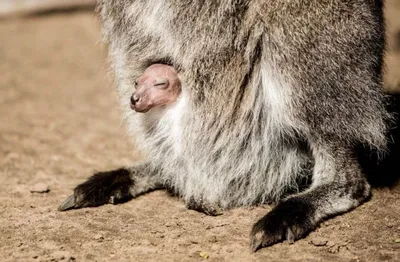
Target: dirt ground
{"points": [[59, 122]]}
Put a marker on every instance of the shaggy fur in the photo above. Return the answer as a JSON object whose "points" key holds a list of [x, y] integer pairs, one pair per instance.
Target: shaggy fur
{"points": [[274, 92]]}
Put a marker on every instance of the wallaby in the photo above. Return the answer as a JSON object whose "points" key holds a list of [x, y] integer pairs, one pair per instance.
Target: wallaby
{"points": [[271, 99]]}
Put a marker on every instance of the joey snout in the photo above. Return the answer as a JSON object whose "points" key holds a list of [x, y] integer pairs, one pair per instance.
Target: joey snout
{"points": [[148, 96]]}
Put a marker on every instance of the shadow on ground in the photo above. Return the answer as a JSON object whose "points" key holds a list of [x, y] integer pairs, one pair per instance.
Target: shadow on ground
{"points": [[381, 169]]}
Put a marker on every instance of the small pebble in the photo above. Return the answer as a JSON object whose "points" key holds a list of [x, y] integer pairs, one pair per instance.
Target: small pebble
{"points": [[319, 241], [98, 237], [213, 239], [40, 188], [330, 243], [204, 255], [334, 249]]}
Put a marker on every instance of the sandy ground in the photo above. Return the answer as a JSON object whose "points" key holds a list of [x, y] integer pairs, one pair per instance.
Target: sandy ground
{"points": [[59, 123]]}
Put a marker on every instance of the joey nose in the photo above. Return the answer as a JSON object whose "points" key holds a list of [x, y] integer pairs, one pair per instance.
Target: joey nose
{"points": [[134, 99]]}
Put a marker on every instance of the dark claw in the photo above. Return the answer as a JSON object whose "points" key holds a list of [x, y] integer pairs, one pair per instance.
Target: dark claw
{"points": [[262, 238], [290, 237], [102, 188], [290, 220], [256, 241], [68, 203]]}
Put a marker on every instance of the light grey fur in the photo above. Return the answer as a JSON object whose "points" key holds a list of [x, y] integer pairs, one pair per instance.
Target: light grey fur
{"points": [[273, 92], [184, 139]]}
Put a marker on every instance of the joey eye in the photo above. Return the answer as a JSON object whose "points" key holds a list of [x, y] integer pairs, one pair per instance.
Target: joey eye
{"points": [[161, 82], [135, 84]]}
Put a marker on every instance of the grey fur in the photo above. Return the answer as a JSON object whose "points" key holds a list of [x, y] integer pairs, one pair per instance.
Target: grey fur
{"points": [[273, 91]]}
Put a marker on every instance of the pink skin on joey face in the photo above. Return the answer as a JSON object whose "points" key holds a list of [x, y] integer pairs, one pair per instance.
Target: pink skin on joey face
{"points": [[158, 86]]}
